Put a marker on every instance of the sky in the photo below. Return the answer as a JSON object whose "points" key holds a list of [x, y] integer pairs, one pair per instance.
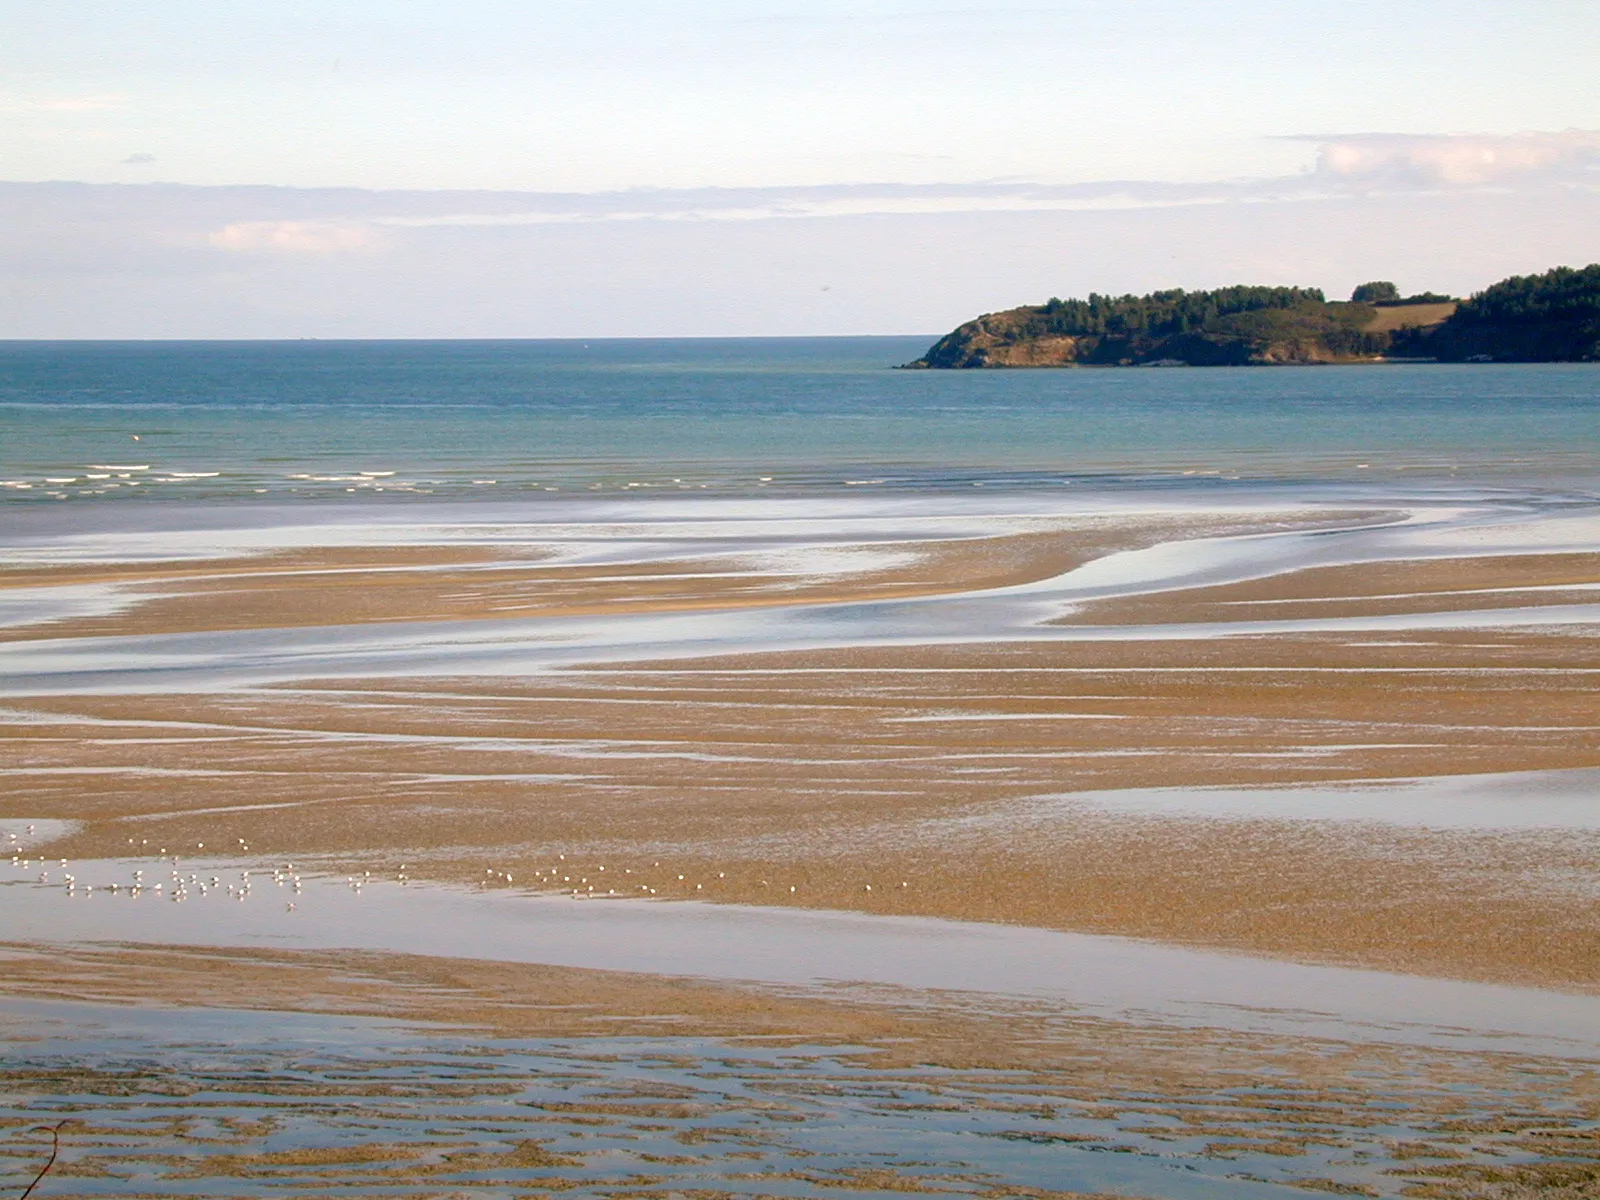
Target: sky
{"points": [[416, 168]]}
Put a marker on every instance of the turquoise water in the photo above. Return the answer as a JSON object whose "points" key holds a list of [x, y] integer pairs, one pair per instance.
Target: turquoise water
{"points": [[140, 420]]}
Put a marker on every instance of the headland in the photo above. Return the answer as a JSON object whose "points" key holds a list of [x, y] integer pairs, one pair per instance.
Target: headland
{"points": [[1553, 317]]}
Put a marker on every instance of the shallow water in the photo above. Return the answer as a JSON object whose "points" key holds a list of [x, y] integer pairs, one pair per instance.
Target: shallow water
{"points": [[804, 538], [1512, 800], [204, 1102], [1100, 974]]}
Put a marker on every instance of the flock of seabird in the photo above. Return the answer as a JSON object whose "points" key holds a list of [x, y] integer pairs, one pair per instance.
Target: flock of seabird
{"points": [[560, 878]]}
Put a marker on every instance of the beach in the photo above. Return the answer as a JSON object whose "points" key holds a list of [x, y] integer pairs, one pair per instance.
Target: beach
{"points": [[1197, 813]]}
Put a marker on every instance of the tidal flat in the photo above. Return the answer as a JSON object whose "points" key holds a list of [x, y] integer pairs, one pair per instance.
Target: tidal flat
{"points": [[988, 832], [745, 817], [252, 1102]]}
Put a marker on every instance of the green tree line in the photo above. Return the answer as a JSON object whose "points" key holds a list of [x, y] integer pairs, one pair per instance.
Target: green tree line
{"points": [[1552, 317], [1562, 294], [1163, 313]]}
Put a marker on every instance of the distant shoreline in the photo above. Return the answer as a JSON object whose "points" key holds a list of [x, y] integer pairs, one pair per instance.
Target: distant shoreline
{"points": [[1553, 317]]}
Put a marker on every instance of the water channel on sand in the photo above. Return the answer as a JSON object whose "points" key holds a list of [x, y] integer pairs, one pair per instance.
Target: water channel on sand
{"points": [[1105, 975], [781, 538], [275, 1102]]}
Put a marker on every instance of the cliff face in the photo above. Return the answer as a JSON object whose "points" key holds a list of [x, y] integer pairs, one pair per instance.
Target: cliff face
{"points": [[1305, 331], [1000, 340]]}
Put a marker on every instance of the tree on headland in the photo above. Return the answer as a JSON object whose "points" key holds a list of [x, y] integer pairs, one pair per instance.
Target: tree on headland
{"points": [[1376, 292], [1230, 325], [1162, 313], [1553, 317]]}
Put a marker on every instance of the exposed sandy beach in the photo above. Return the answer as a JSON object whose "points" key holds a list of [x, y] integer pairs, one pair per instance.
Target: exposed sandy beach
{"points": [[862, 757], [914, 771]]}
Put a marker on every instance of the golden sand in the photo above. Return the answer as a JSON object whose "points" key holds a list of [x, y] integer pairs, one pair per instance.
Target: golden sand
{"points": [[912, 771], [831, 772], [1409, 586], [357, 585], [900, 780]]}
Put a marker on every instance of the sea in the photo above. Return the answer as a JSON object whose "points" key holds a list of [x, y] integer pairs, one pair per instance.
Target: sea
{"points": [[120, 423]]}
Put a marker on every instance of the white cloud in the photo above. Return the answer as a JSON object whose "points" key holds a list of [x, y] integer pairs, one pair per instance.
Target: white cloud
{"points": [[1461, 160], [709, 205], [1345, 166], [163, 259], [780, 205], [297, 237]]}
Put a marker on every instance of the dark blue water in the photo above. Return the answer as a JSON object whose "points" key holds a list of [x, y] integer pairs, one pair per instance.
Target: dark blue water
{"points": [[307, 419]]}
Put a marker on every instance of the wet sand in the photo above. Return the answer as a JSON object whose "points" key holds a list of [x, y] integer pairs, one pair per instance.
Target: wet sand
{"points": [[1370, 589], [1033, 1095], [884, 778], [880, 726], [352, 585], [832, 773]]}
